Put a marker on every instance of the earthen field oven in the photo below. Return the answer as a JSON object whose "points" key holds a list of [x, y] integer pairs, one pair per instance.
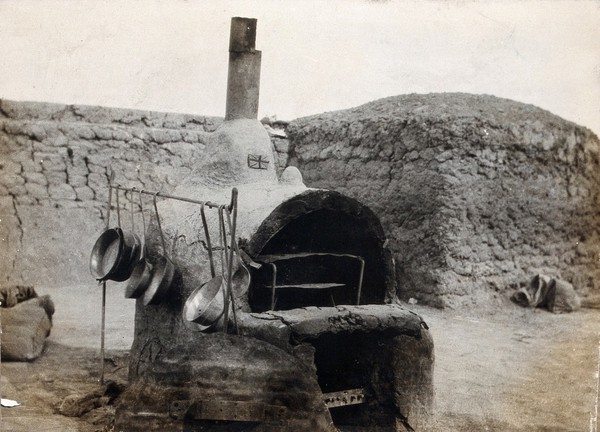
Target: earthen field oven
{"points": [[328, 345], [474, 192]]}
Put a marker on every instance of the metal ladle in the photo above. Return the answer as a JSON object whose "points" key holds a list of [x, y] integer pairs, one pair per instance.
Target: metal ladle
{"points": [[240, 280], [229, 297]]}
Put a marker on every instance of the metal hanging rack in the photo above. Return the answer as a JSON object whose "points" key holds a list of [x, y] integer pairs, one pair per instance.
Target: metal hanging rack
{"points": [[231, 208]]}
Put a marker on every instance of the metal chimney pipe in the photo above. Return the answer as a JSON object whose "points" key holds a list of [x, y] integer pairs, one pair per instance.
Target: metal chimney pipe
{"points": [[243, 80]]}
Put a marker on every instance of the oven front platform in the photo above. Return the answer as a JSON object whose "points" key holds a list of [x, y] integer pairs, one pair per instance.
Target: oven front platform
{"points": [[291, 370]]}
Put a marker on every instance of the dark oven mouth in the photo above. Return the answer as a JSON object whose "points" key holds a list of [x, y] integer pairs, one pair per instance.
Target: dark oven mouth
{"points": [[319, 249], [324, 249]]}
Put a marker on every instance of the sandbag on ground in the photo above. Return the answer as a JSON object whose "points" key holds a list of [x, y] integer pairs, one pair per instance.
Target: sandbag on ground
{"points": [[25, 328], [556, 295]]}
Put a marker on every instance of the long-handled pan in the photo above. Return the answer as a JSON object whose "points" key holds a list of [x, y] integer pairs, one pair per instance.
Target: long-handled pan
{"points": [[163, 271], [240, 280], [228, 260], [205, 305], [115, 252], [142, 272]]}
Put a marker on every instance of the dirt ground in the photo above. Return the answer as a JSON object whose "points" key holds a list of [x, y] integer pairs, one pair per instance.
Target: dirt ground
{"points": [[509, 370], [523, 370]]}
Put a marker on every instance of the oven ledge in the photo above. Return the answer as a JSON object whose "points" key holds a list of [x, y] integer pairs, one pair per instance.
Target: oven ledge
{"points": [[311, 322]]}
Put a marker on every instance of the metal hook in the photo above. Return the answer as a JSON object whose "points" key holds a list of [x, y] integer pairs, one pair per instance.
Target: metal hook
{"points": [[235, 245], [224, 265], [234, 197], [208, 242], [131, 208], [109, 205], [118, 208], [143, 225], [142, 211], [162, 237], [230, 269], [222, 240]]}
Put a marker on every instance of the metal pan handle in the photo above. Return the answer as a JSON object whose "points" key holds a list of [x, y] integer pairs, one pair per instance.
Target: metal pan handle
{"points": [[162, 236], [208, 242], [143, 225], [118, 208]]}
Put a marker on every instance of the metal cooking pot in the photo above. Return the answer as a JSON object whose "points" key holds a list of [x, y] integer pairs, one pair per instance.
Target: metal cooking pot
{"points": [[130, 255], [139, 280], [205, 304], [114, 255], [106, 253], [162, 277]]}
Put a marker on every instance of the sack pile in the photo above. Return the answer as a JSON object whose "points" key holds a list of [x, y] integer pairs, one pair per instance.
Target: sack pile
{"points": [[26, 322], [556, 295]]}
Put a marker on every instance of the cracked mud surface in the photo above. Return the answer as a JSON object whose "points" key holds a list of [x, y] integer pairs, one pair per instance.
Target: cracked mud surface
{"points": [[476, 193]]}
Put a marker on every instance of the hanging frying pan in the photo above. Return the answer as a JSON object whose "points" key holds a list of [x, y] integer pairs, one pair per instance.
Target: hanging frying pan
{"points": [[163, 270], [205, 305], [162, 277], [129, 256], [106, 254], [142, 271]]}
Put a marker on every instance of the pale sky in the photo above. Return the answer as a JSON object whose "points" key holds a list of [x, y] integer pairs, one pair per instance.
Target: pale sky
{"points": [[317, 55]]}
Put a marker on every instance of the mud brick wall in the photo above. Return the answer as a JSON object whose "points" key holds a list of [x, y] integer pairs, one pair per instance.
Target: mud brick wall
{"points": [[54, 165], [476, 193]]}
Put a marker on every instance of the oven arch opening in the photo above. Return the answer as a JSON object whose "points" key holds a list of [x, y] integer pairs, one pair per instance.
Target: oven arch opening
{"points": [[320, 248]]}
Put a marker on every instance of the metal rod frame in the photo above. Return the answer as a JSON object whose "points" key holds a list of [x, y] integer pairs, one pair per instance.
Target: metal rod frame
{"points": [[232, 207], [269, 259], [178, 198]]}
